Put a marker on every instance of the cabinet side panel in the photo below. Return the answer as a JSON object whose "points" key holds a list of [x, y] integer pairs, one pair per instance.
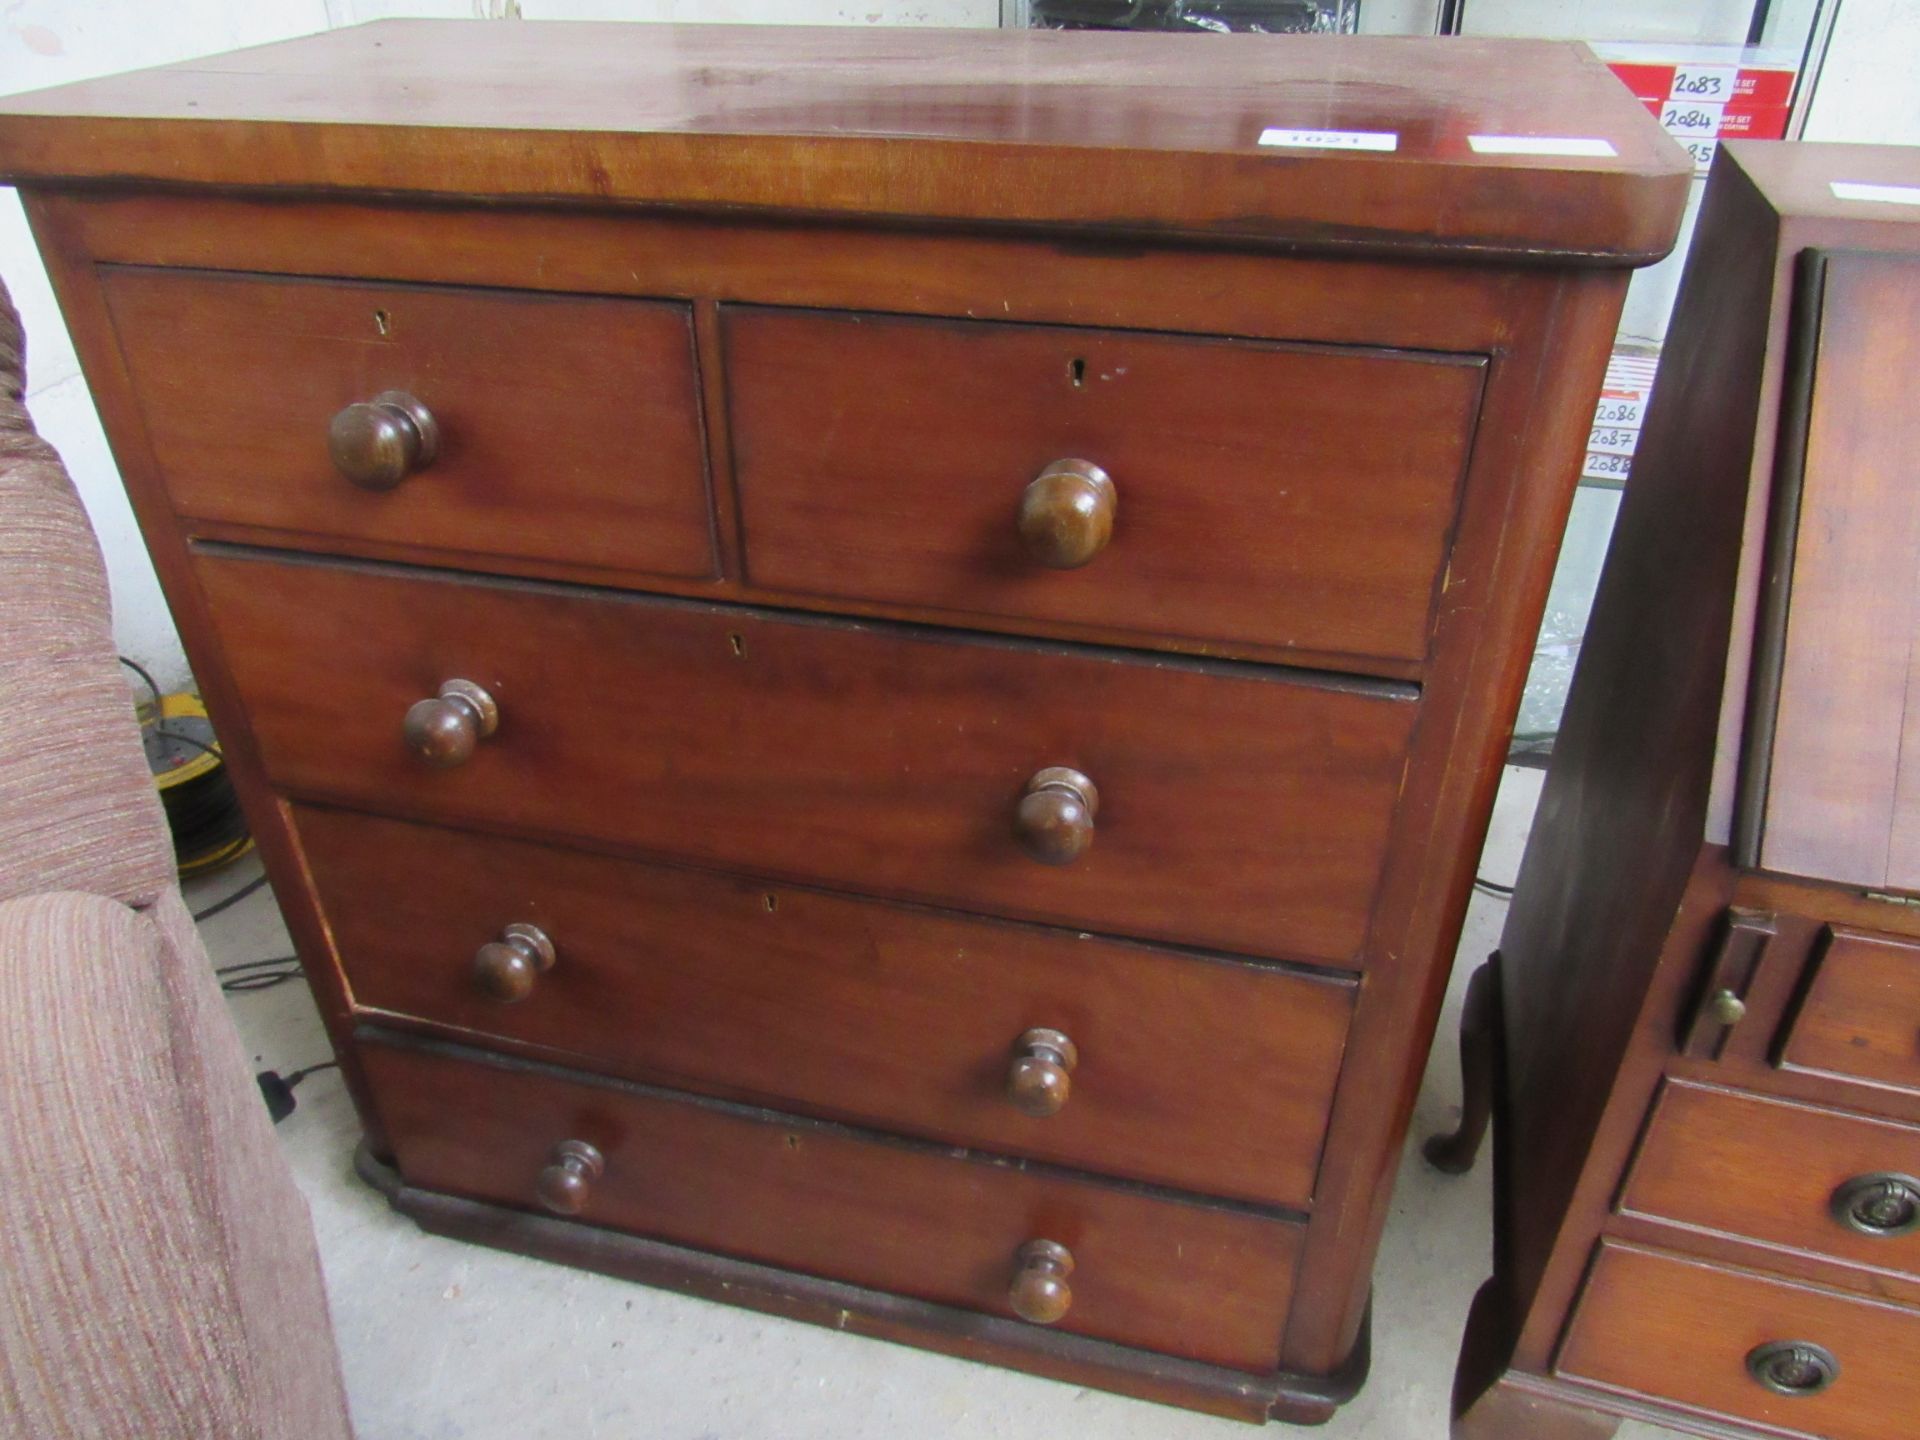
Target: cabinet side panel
{"points": [[1619, 825]]}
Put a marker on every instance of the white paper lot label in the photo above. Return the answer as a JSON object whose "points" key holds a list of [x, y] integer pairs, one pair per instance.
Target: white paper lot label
{"points": [[1883, 194], [1573, 145], [1331, 139]]}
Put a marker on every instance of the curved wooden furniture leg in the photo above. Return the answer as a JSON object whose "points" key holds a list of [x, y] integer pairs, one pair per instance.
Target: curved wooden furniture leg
{"points": [[1455, 1153]]}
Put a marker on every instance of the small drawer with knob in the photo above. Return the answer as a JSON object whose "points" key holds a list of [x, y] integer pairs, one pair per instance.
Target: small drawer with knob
{"points": [[1209, 1076], [490, 428], [1247, 496], [1033, 1245], [1796, 1359], [1038, 782], [1781, 1174]]}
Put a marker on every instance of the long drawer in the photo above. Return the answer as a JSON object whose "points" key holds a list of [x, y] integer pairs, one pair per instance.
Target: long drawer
{"points": [[563, 428], [1209, 1282], [1801, 1360], [1206, 1075], [880, 759], [1253, 494], [1797, 1177]]}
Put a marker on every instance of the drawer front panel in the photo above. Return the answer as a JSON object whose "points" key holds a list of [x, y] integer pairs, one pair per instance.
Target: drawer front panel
{"points": [[1263, 495], [1676, 1329], [1794, 1176], [1860, 1018], [1208, 1076], [1206, 1282], [867, 757], [567, 428]]}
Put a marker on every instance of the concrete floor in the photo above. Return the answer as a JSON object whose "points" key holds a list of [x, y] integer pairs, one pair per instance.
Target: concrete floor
{"points": [[446, 1341]]}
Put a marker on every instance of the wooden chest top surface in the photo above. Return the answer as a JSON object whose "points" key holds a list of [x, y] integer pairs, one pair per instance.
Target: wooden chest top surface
{"points": [[1147, 134]]}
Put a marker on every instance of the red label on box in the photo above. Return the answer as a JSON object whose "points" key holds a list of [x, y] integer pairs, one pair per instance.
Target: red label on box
{"points": [[1701, 104]]}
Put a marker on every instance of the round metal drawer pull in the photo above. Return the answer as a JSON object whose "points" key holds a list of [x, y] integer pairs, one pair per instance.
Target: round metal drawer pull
{"points": [[1054, 820], [1882, 1204], [443, 731], [505, 969], [566, 1184], [1040, 1294], [1039, 1080], [1066, 514], [1728, 1008], [1793, 1367], [380, 442]]}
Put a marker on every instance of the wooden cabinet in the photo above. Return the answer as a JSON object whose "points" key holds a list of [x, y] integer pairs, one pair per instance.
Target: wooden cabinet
{"points": [[869, 666], [1705, 1007]]}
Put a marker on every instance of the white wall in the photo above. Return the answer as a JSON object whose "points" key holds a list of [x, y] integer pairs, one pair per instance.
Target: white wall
{"points": [[1869, 94], [1870, 89]]}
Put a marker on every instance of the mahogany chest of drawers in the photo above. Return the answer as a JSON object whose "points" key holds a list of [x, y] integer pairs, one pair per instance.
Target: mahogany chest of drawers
{"points": [[870, 665], [1706, 1003]]}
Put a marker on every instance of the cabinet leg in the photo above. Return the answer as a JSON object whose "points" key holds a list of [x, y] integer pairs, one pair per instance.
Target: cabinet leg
{"points": [[1505, 1411], [1455, 1153]]}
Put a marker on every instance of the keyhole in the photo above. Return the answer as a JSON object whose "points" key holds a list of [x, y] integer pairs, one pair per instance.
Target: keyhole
{"points": [[1077, 372], [739, 644], [383, 322]]}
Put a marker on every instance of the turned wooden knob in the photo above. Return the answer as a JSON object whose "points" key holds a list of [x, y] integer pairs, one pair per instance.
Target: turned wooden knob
{"points": [[566, 1184], [1039, 1080], [505, 969], [378, 443], [443, 731], [1066, 514], [1054, 820], [1040, 1293]]}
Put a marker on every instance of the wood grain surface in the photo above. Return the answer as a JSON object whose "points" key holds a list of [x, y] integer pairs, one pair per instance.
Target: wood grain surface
{"points": [[1271, 495], [1860, 1017], [1736, 1163], [1842, 803], [1651, 1323], [1205, 1282], [1131, 132], [882, 759], [569, 427], [1203, 1074]]}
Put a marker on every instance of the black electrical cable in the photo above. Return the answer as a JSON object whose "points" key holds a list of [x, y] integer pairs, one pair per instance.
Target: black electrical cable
{"points": [[229, 901], [146, 678], [258, 974]]}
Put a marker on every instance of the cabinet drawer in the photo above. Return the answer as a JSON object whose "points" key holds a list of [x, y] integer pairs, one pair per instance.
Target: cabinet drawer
{"points": [[567, 427], [1207, 1075], [1794, 1176], [1208, 1282], [1860, 1016], [1663, 1326], [878, 759], [1263, 495]]}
